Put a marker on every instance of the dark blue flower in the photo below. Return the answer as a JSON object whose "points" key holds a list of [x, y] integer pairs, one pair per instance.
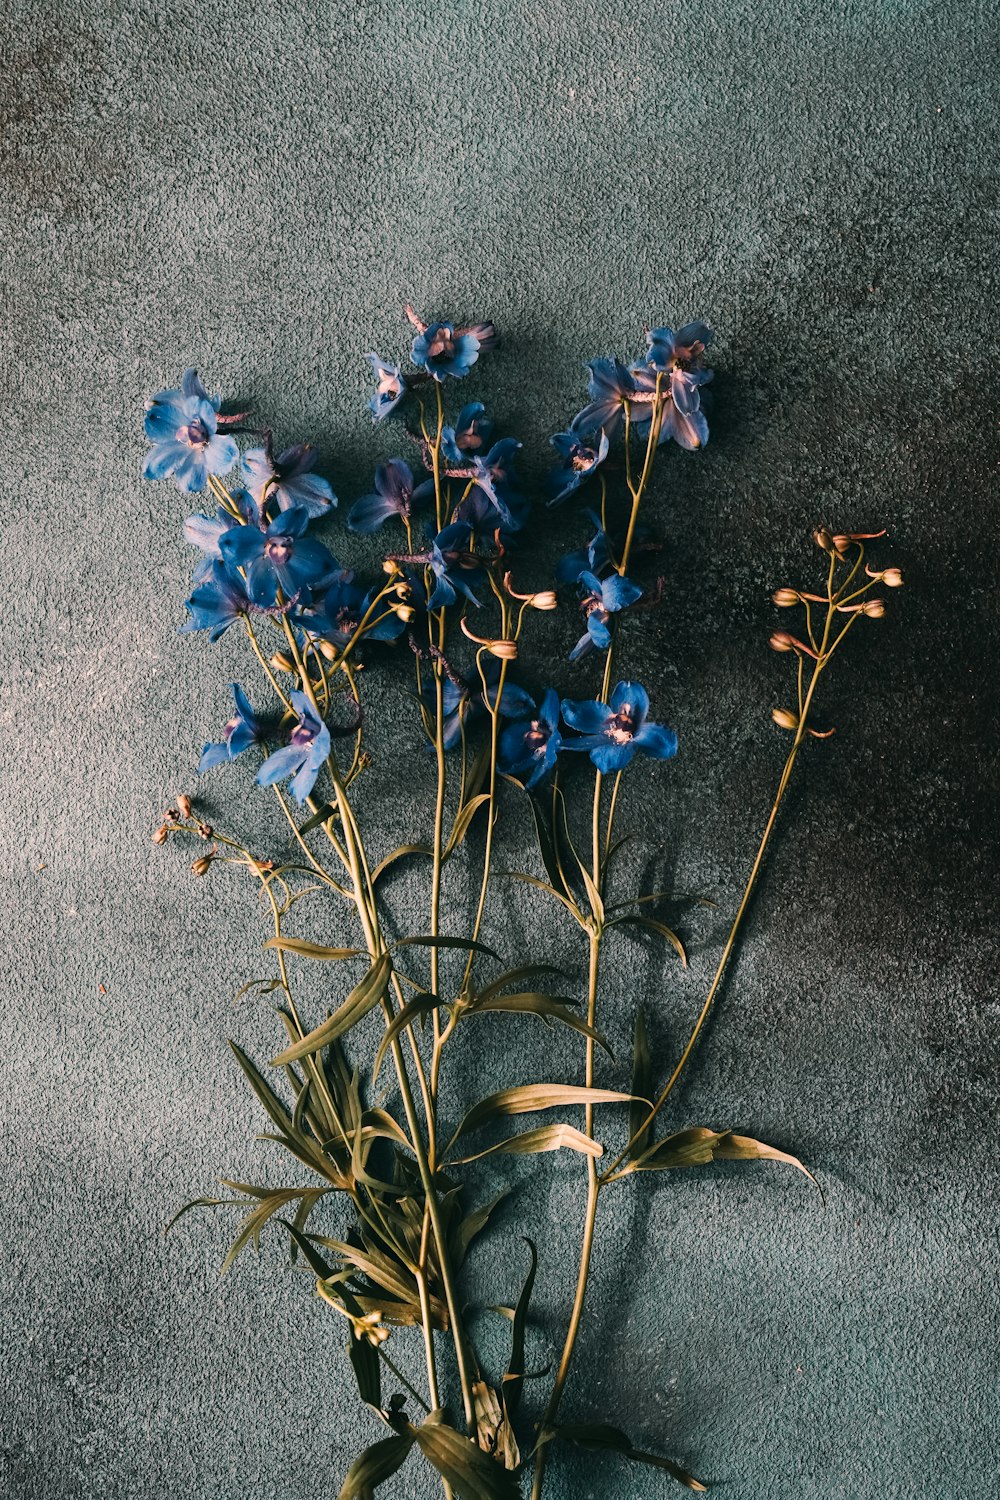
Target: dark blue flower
{"points": [[609, 387], [282, 556], [344, 604], [244, 729], [615, 731], [218, 601], [394, 497], [580, 457], [462, 702], [470, 434], [205, 532], [532, 745], [449, 558], [182, 426], [442, 349], [389, 390], [601, 600], [303, 757], [288, 479]]}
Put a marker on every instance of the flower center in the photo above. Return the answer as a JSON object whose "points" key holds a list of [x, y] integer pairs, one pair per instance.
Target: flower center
{"points": [[443, 343], [536, 738], [302, 735], [278, 550], [195, 434], [621, 728]]}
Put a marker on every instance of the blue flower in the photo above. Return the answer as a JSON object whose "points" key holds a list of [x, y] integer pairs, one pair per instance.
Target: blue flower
{"points": [[342, 608], [449, 557], [442, 349], [580, 457], [244, 729], [218, 601], [532, 745], [303, 757], [599, 602], [462, 703], [468, 436], [182, 426], [389, 390], [205, 532], [610, 386], [287, 478], [394, 497], [282, 556], [689, 429], [614, 731], [677, 356]]}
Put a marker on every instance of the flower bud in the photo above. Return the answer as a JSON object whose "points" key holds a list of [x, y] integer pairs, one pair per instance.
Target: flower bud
{"points": [[784, 598], [171, 815], [403, 612], [823, 539], [391, 567], [327, 650], [544, 600], [205, 830], [874, 608], [184, 805], [282, 663], [160, 836], [202, 866], [784, 718], [505, 650], [781, 641], [892, 578]]}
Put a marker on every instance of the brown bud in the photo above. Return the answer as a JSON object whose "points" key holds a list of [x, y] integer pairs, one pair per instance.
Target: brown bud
{"points": [[784, 718], [282, 663], [391, 567], [184, 805], [202, 866], [782, 641], [403, 612], [892, 578], [505, 650], [160, 836], [205, 830], [171, 815], [874, 608], [784, 598], [327, 650], [823, 539]]}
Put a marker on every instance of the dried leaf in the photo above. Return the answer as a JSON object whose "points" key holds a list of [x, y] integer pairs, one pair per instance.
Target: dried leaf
{"points": [[493, 1429], [535, 1142], [374, 1466], [420, 1005], [463, 822], [515, 976], [601, 1437], [650, 924], [546, 1007], [402, 852], [317, 951], [513, 1381], [532, 1096], [698, 1146], [469, 1471], [363, 998]]}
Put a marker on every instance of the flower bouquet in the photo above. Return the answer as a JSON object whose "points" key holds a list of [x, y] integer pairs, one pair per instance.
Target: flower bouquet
{"points": [[378, 1202]]}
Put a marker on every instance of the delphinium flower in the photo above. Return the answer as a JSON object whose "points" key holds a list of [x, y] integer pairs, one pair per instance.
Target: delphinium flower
{"points": [[303, 757], [464, 702], [218, 601], [614, 732], [529, 747], [182, 426], [205, 532], [489, 502], [601, 599], [581, 457], [468, 435], [676, 357], [244, 729], [594, 557], [395, 495], [287, 478], [344, 602], [441, 349], [449, 558], [282, 556], [390, 387], [609, 387]]}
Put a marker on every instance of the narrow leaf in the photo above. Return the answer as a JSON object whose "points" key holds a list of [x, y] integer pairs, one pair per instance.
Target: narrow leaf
{"points": [[650, 924], [541, 885], [421, 1005], [363, 998], [493, 1429], [401, 853], [546, 1007], [463, 822], [698, 1146], [515, 976], [374, 1466], [445, 942], [312, 950], [532, 1096], [535, 1142], [320, 816]]}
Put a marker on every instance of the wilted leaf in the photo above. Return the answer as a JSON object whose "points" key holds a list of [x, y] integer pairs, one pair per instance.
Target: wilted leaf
{"points": [[429, 941], [472, 1225], [515, 976], [650, 924], [534, 1142], [513, 1381], [542, 885], [420, 1005], [312, 950], [532, 1096], [600, 1437], [320, 816], [547, 847], [194, 1203], [546, 1007], [463, 822], [401, 853], [469, 1471], [698, 1146], [495, 1434], [376, 1464], [363, 998]]}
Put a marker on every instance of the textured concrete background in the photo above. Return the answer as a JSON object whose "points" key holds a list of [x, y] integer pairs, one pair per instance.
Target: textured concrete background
{"points": [[257, 189]]}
